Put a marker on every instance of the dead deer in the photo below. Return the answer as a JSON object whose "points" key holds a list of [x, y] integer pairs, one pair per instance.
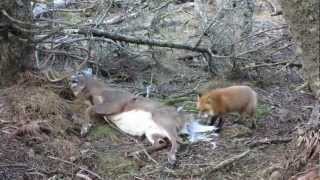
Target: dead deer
{"points": [[140, 116], [133, 115], [136, 116]]}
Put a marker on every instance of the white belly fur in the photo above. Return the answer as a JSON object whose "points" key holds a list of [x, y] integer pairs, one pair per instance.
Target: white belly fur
{"points": [[138, 123]]}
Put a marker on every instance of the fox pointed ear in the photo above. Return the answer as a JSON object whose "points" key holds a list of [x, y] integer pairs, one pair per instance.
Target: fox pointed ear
{"points": [[210, 100], [199, 97]]}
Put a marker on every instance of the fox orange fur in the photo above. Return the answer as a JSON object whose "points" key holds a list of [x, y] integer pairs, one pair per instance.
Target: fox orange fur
{"points": [[217, 102]]}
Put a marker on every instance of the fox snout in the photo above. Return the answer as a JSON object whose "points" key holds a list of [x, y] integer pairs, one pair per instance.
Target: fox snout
{"points": [[205, 114]]}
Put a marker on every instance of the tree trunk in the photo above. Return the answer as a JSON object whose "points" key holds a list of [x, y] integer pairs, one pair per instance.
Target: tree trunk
{"points": [[233, 21], [304, 20], [15, 49]]}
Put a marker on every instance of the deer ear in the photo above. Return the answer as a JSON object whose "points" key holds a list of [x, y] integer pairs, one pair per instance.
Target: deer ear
{"points": [[99, 109], [107, 108]]}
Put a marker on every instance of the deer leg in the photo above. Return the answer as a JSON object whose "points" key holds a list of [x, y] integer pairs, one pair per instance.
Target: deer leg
{"points": [[87, 125], [157, 144], [160, 143]]}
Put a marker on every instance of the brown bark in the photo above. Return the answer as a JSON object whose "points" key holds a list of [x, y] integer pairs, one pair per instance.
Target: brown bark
{"points": [[232, 22], [304, 20], [15, 50]]}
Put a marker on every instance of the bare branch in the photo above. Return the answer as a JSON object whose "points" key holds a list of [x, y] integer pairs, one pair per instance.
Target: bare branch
{"points": [[119, 37]]}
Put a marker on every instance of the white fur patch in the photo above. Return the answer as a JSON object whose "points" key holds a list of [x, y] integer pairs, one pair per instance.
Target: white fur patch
{"points": [[138, 123], [99, 99]]}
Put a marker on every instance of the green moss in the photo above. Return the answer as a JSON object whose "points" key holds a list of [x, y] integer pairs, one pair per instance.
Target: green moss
{"points": [[190, 106], [115, 165], [72, 18], [102, 131], [174, 101], [262, 110]]}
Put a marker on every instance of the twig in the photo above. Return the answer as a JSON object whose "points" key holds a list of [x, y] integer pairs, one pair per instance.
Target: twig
{"points": [[261, 32], [12, 19], [306, 171], [260, 47], [105, 13], [269, 141], [225, 163], [14, 165], [82, 176], [73, 10], [130, 39], [211, 167], [280, 49], [305, 84], [135, 40], [264, 65], [205, 31], [73, 164]]}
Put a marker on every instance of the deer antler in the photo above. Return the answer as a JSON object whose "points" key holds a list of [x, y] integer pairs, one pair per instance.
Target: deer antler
{"points": [[53, 76]]}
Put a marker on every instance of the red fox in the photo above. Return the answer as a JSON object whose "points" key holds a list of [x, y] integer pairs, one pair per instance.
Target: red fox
{"points": [[217, 102]]}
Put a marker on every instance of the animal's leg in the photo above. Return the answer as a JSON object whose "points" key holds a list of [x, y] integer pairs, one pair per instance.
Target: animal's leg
{"points": [[253, 118], [158, 143], [213, 120], [87, 124], [251, 113], [220, 124], [242, 118], [221, 121], [254, 123]]}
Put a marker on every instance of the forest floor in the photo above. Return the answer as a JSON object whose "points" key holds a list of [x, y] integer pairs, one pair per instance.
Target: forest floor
{"points": [[40, 124]]}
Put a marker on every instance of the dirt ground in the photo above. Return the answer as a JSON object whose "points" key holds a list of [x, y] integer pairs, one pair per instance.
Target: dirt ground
{"points": [[40, 125]]}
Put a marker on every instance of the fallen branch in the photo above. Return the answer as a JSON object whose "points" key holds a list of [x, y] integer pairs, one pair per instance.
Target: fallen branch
{"points": [[304, 85], [205, 172], [135, 40], [224, 163], [73, 164], [269, 141], [285, 63], [264, 65]]}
